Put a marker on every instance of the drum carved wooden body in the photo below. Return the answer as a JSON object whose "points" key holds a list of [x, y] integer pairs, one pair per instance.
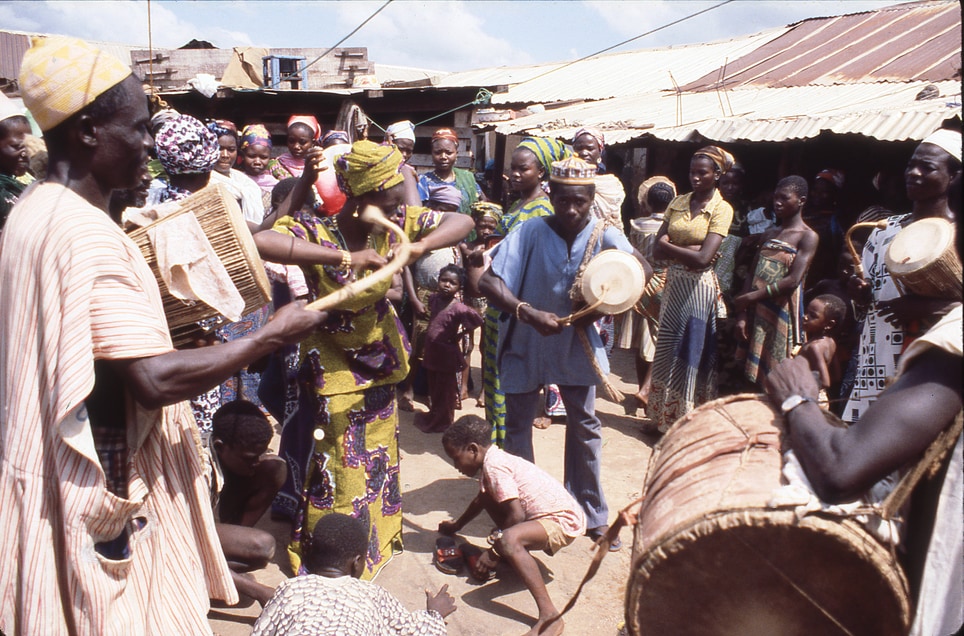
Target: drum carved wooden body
{"points": [[709, 556]]}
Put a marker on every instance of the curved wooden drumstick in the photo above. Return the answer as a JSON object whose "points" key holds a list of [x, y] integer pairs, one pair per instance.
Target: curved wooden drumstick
{"points": [[585, 311], [370, 214], [858, 266]]}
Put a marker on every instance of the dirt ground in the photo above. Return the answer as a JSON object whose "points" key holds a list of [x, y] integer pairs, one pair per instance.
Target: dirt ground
{"points": [[434, 491]]}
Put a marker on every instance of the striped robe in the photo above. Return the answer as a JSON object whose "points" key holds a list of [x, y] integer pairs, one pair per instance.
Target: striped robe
{"points": [[74, 288]]}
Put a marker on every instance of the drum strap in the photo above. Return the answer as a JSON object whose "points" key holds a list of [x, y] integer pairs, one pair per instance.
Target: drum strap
{"points": [[575, 293], [926, 467]]}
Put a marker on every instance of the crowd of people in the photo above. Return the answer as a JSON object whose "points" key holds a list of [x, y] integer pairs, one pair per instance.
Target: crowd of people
{"points": [[133, 473]]}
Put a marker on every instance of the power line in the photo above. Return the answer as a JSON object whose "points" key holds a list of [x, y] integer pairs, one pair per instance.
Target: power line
{"points": [[332, 48], [614, 46]]}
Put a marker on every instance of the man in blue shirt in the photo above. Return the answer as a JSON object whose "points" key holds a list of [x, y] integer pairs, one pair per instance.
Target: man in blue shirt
{"points": [[532, 272]]}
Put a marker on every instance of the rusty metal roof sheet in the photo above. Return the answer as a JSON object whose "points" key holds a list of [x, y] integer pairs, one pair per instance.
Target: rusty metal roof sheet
{"points": [[611, 75], [885, 111], [13, 44], [912, 41]]}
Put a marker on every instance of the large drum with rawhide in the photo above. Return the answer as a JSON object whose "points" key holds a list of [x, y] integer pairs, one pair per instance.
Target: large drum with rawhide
{"points": [[922, 259], [711, 558]]}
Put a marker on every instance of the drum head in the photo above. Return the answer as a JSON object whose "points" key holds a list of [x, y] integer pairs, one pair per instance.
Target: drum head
{"points": [[614, 277], [918, 245]]}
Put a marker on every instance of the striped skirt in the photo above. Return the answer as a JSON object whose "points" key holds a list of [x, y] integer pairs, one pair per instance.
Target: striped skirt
{"points": [[684, 367]]}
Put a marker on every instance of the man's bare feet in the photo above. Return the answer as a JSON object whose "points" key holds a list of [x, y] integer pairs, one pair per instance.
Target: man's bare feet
{"points": [[542, 629]]}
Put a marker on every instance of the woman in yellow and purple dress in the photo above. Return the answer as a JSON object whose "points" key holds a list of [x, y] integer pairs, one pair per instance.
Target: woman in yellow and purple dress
{"points": [[347, 424]]}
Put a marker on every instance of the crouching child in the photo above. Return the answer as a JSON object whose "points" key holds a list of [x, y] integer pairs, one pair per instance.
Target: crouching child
{"points": [[531, 510]]}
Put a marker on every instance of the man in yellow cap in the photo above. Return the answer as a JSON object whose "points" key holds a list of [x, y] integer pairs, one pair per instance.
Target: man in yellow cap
{"points": [[531, 277], [107, 524]]}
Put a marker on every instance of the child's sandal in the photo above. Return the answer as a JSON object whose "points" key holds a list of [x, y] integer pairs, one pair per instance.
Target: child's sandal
{"points": [[448, 557], [472, 554]]}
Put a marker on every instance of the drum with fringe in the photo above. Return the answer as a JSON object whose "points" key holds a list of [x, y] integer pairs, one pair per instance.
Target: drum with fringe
{"points": [[711, 558]]}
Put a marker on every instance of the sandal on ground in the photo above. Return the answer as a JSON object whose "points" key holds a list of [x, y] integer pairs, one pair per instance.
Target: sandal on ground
{"points": [[598, 533], [448, 557], [472, 554]]}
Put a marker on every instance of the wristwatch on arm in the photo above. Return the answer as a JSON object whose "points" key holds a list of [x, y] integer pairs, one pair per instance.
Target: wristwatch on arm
{"points": [[793, 402]]}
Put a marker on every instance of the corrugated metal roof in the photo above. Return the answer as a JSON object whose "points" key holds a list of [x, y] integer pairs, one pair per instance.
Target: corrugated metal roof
{"points": [[612, 75], [13, 44], [880, 110], [913, 41]]}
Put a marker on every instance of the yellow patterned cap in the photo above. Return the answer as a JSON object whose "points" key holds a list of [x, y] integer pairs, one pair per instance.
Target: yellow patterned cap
{"points": [[573, 171], [61, 75]]}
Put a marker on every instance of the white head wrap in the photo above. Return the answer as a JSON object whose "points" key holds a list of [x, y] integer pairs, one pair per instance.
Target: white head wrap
{"points": [[948, 140], [402, 130], [8, 108]]}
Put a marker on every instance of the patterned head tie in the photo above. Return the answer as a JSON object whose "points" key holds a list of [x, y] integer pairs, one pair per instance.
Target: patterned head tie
{"points": [[60, 75], [333, 137], [255, 135], [369, 167], [573, 171], [445, 133], [547, 151], [402, 130], [222, 127], [723, 160], [483, 209], [595, 133], [186, 146], [306, 120]]}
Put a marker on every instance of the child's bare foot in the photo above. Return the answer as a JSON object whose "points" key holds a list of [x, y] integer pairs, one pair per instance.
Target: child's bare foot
{"points": [[541, 629], [542, 422]]}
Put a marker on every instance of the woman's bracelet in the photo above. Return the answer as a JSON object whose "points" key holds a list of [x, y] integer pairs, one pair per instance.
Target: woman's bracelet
{"points": [[345, 264], [519, 307], [772, 290]]}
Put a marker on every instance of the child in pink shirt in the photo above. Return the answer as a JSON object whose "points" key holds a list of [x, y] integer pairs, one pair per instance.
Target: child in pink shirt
{"points": [[531, 509]]}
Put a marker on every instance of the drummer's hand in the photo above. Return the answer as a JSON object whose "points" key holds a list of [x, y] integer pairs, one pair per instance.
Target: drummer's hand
{"points": [[904, 310], [314, 163], [546, 323], [293, 323], [791, 377], [366, 259]]}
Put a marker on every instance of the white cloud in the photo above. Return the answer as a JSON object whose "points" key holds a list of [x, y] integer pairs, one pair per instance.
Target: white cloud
{"points": [[444, 35], [120, 22]]}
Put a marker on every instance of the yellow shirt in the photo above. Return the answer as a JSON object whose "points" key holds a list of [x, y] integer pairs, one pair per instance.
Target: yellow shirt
{"points": [[683, 230]]}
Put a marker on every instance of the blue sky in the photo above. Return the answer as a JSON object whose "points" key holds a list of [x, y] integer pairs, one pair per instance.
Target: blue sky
{"points": [[444, 35]]}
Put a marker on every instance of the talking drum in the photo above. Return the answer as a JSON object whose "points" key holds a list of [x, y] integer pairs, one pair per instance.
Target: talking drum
{"points": [[222, 222], [709, 556], [922, 259], [613, 281]]}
